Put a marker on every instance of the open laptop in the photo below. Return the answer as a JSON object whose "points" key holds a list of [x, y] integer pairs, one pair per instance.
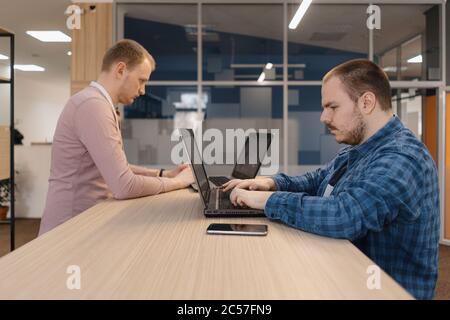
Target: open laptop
{"points": [[216, 202], [243, 169]]}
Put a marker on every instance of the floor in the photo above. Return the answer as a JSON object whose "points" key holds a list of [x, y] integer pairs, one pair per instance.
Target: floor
{"points": [[27, 230]]}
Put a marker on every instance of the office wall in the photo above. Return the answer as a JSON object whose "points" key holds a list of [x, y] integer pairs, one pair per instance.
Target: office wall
{"points": [[33, 165], [4, 97], [39, 100], [4, 153], [38, 105], [37, 110]]}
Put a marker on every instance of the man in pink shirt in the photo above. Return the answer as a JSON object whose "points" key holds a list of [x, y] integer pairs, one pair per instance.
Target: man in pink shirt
{"points": [[88, 161]]}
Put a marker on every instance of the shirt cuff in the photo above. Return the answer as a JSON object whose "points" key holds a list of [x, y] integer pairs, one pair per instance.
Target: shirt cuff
{"points": [[279, 180], [274, 204]]}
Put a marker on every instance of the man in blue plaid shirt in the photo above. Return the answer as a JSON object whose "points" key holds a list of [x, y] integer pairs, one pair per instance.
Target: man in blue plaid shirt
{"points": [[380, 192]]}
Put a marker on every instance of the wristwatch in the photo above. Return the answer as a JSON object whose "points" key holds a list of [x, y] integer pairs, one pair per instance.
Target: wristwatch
{"points": [[161, 172]]}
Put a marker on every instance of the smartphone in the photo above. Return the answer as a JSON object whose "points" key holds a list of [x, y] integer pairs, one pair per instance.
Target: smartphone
{"points": [[240, 229]]}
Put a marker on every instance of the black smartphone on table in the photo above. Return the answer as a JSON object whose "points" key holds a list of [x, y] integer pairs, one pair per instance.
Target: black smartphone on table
{"points": [[238, 229]]}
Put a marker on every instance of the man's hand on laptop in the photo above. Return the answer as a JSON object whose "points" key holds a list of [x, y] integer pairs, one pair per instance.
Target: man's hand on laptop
{"points": [[185, 177], [251, 199], [263, 184]]}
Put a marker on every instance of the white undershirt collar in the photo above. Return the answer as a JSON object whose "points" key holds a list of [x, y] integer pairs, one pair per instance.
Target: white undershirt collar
{"points": [[104, 92]]}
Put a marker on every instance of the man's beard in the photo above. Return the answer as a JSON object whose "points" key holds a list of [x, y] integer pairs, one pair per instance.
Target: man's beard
{"points": [[355, 136], [358, 133]]}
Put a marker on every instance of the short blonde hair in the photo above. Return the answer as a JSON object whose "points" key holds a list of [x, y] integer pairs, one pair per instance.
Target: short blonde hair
{"points": [[128, 51]]}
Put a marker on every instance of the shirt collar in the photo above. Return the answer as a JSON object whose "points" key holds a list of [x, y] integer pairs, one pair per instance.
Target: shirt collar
{"points": [[104, 92], [352, 153], [393, 125]]}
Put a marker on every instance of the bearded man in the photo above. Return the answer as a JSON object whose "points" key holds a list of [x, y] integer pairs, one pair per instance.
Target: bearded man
{"points": [[380, 192]]}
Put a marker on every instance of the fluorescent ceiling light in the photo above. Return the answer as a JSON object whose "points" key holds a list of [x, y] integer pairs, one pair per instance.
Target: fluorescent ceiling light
{"points": [[3, 57], [389, 69], [262, 76], [28, 67], [393, 69], [416, 59], [50, 36], [269, 65], [299, 14]]}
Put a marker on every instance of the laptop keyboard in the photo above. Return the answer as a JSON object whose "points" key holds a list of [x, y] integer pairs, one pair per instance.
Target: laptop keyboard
{"points": [[223, 200], [218, 180]]}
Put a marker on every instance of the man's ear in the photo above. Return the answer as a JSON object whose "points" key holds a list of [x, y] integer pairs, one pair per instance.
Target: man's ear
{"points": [[367, 102], [121, 67]]}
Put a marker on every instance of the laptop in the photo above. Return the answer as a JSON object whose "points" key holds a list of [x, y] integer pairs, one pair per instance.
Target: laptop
{"points": [[216, 202], [243, 169]]}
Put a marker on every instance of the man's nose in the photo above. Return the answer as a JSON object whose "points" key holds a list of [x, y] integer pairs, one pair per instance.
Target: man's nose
{"points": [[142, 90], [324, 117]]}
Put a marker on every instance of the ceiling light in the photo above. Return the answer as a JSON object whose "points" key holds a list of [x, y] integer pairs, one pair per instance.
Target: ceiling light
{"points": [[393, 69], [28, 67], [416, 59], [50, 36], [299, 14], [3, 57], [269, 65], [262, 76], [69, 53]]}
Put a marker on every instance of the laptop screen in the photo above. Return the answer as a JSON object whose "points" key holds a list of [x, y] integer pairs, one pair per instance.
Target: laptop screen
{"points": [[255, 144], [196, 163]]}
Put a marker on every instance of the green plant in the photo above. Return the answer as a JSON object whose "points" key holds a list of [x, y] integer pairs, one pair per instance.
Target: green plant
{"points": [[5, 192]]}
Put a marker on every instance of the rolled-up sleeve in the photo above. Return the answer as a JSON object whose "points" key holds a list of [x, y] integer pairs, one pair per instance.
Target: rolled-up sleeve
{"points": [[96, 127]]}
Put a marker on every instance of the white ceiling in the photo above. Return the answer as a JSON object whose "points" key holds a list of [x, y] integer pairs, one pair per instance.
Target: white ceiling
{"points": [[19, 16], [399, 22]]}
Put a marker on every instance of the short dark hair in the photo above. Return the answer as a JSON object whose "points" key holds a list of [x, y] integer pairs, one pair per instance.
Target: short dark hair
{"points": [[128, 51], [361, 75]]}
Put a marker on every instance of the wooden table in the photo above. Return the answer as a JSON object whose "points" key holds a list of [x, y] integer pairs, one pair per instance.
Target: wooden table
{"points": [[157, 248]]}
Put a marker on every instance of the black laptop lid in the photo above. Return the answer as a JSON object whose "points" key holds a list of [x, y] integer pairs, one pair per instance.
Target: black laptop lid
{"points": [[243, 168], [196, 164]]}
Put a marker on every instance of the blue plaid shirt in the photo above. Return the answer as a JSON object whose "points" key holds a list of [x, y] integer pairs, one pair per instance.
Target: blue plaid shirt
{"points": [[386, 203]]}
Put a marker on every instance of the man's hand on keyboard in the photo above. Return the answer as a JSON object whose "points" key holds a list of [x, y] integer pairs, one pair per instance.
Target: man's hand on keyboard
{"points": [[264, 184], [251, 199]]}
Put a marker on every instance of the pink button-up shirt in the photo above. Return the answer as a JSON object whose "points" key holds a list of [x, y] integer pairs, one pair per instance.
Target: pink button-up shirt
{"points": [[88, 162]]}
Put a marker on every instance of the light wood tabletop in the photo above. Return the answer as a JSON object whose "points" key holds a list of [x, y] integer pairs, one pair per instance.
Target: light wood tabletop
{"points": [[157, 248]]}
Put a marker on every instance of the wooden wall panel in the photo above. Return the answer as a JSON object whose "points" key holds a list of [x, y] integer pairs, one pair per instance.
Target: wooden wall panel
{"points": [[89, 43]]}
